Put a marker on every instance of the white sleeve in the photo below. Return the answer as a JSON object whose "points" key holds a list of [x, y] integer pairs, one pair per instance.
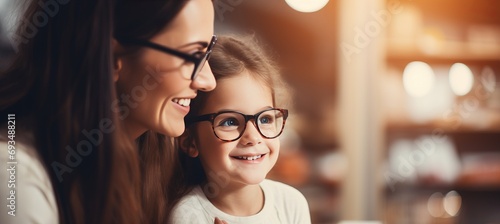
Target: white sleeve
{"points": [[188, 212], [33, 200], [301, 213], [292, 203]]}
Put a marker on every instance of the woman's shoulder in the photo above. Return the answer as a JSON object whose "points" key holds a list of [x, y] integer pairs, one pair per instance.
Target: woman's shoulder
{"points": [[24, 157], [28, 190]]}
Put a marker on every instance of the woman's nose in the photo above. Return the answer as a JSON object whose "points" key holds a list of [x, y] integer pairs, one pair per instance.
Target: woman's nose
{"points": [[205, 81]]}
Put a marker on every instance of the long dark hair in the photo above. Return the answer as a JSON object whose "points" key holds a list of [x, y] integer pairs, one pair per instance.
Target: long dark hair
{"points": [[157, 153], [61, 89]]}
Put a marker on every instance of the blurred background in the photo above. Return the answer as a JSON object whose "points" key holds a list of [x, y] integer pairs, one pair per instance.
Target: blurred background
{"points": [[396, 104]]}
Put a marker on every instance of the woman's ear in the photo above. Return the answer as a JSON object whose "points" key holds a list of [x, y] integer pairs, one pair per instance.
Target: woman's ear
{"points": [[117, 61], [188, 145]]}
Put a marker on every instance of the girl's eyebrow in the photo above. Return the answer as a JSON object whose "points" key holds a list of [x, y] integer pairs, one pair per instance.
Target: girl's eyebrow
{"points": [[227, 110]]}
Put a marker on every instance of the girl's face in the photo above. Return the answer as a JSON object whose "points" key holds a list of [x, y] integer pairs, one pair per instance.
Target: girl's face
{"points": [[247, 95], [154, 88]]}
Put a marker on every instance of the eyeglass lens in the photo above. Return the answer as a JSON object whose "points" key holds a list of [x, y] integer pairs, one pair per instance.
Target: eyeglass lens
{"points": [[206, 56], [199, 66], [230, 126]]}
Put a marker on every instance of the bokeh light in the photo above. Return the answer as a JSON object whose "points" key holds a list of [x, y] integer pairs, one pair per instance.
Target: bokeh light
{"points": [[452, 203], [418, 78], [461, 79], [307, 5], [435, 205]]}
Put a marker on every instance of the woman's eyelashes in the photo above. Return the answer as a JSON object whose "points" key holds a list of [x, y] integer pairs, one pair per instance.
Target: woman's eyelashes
{"points": [[198, 51], [198, 54]]}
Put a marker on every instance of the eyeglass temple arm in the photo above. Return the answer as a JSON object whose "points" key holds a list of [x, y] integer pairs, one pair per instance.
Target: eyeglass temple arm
{"points": [[206, 117], [158, 47], [285, 113]]}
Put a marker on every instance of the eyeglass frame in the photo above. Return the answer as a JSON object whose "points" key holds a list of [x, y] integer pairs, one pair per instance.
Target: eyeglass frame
{"points": [[195, 60], [211, 117]]}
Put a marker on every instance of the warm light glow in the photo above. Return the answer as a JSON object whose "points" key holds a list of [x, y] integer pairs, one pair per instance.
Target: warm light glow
{"points": [[435, 205], [452, 203], [307, 5], [488, 79], [436, 102], [418, 78], [461, 79]]}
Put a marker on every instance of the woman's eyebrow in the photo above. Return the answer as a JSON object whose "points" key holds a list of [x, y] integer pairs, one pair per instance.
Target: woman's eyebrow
{"points": [[204, 44]]}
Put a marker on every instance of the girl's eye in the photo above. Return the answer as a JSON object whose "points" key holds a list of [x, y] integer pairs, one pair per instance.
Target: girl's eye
{"points": [[266, 120], [229, 122]]}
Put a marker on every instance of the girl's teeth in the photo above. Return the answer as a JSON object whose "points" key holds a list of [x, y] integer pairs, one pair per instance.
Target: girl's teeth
{"points": [[249, 158]]}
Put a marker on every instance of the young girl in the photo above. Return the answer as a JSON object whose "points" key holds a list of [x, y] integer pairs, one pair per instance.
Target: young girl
{"points": [[231, 143]]}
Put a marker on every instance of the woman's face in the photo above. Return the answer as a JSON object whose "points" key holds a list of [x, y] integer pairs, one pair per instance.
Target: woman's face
{"points": [[154, 88]]}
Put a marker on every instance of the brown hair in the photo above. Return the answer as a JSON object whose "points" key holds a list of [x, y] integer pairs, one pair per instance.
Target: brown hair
{"points": [[234, 54], [157, 154], [60, 87], [230, 57]]}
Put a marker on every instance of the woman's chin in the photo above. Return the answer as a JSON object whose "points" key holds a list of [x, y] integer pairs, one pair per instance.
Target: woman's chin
{"points": [[174, 130]]}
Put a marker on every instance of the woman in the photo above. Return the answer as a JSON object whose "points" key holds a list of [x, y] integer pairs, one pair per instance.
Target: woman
{"points": [[93, 95]]}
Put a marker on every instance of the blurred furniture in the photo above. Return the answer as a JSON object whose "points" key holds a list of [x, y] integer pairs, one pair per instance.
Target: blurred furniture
{"points": [[418, 129]]}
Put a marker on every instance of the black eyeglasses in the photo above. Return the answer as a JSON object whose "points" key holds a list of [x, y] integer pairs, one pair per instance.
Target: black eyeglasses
{"points": [[197, 59], [229, 126]]}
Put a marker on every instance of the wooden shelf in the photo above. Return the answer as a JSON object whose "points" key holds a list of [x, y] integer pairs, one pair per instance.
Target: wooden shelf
{"points": [[444, 33], [402, 52], [439, 126], [489, 181]]}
